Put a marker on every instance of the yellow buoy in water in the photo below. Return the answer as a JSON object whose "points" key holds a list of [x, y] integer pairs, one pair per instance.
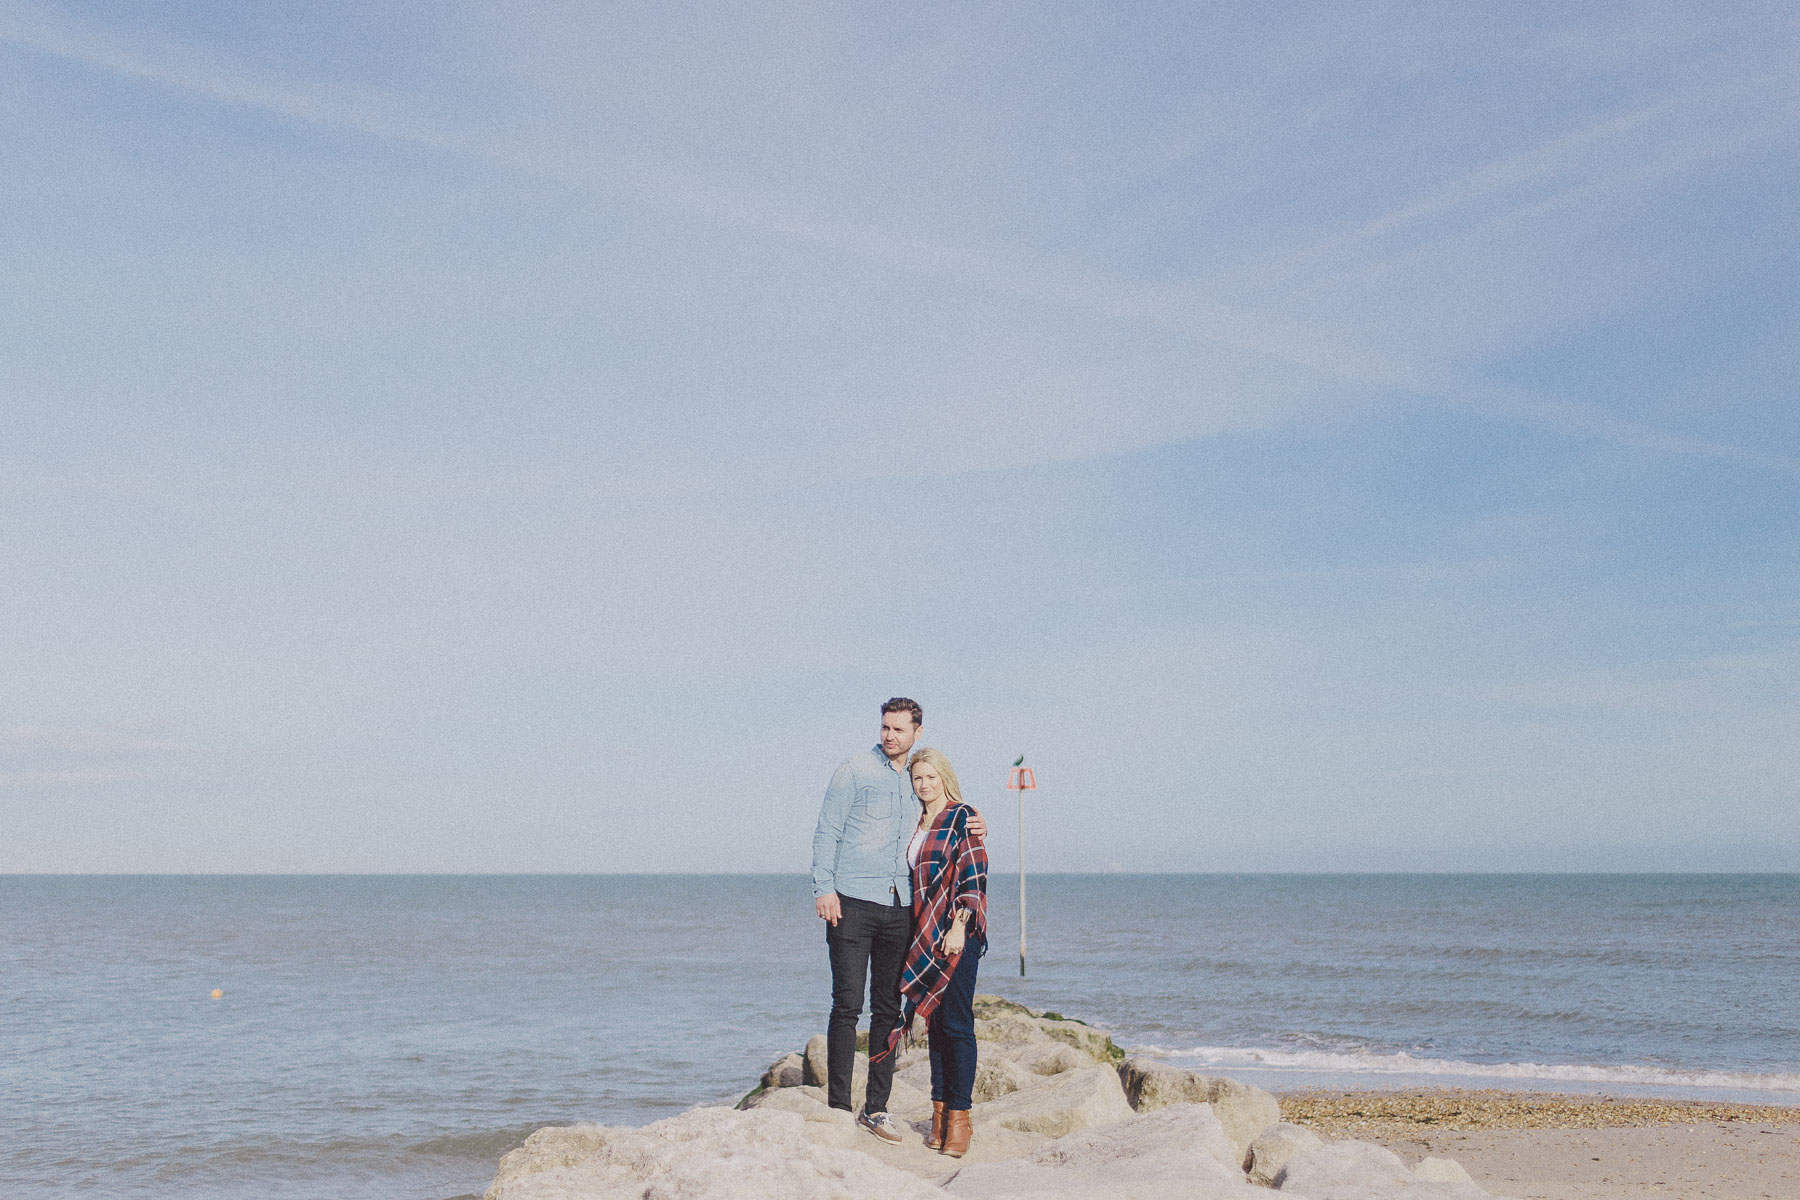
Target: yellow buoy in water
{"points": [[218, 992]]}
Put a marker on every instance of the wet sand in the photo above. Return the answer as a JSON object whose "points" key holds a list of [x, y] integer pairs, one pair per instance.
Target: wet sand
{"points": [[1540, 1146]]}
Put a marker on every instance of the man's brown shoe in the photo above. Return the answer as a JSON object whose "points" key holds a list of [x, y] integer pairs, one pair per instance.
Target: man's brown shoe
{"points": [[957, 1132], [935, 1139], [881, 1125]]}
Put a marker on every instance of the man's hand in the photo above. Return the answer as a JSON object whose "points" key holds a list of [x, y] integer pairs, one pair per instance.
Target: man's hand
{"points": [[977, 826], [829, 909]]}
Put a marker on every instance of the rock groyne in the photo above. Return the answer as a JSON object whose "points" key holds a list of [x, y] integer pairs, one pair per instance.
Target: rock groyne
{"points": [[1061, 1113]]}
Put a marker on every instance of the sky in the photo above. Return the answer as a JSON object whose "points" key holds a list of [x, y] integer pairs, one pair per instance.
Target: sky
{"points": [[537, 436]]}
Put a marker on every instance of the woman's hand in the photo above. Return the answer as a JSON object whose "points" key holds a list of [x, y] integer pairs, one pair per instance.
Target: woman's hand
{"points": [[953, 940]]}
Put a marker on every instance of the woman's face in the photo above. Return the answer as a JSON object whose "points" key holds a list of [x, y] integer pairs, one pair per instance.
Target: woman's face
{"points": [[926, 784]]}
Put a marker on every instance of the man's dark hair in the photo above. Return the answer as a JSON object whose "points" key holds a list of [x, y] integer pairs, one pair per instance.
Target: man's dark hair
{"points": [[902, 704]]}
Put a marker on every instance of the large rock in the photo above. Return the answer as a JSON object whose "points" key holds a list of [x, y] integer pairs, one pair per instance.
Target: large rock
{"points": [[825, 1126], [1179, 1152], [817, 1070], [909, 1103], [1243, 1110], [915, 1075], [915, 1056], [1040, 1056], [815, 1060], [1059, 1104], [987, 1006], [1334, 1167], [704, 1154], [1277, 1146], [800, 1099], [1442, 1170], [835, 1127], [1351, 1170], [1152, 1085], [1007, 1027], [787, 1071], [996, 1077], [1001, 1067], [909, 1098], [1097, 1044]]}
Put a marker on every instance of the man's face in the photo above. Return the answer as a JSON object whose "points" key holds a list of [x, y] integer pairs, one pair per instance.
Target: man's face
{"points": [[898, 733]]}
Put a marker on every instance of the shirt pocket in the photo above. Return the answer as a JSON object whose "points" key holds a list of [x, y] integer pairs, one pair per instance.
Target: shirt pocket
{"points": [[877, 802]]}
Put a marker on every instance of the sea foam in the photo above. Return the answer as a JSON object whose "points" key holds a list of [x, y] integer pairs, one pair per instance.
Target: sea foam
{"points": [[1399, 1064]]}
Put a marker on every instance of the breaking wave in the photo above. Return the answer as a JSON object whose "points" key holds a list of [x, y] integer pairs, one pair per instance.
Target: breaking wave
{"points": [[1399, 1063]]}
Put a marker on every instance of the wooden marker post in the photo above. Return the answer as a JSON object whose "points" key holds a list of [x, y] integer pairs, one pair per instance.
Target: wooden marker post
{"points": [[1021, 780]]}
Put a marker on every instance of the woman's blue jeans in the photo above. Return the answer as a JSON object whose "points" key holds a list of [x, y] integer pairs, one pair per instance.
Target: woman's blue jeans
{"points": [[952, 1032]]}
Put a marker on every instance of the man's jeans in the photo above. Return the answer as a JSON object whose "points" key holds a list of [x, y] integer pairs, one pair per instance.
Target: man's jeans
{"points": [[952, 1032], [868, 942]]}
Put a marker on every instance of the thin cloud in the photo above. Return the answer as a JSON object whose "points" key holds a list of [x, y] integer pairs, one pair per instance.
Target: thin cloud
{"points": [[36, 743], [1710, 121], [1580, 421], [1182, 311], [35, 757], [171, 64]]}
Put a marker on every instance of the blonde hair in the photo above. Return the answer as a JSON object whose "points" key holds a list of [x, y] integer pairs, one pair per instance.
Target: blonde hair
{"points": [[947, 773]]}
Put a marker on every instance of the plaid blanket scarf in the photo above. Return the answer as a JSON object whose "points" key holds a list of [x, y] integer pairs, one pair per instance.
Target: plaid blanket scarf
{"points": [[951, 874]]}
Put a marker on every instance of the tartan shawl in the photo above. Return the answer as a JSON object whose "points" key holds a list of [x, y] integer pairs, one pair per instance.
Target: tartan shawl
{"points": [[951, 874]]}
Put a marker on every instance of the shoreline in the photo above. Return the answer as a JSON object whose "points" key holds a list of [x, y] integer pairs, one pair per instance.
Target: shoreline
{"points": [[1402, 1111], [1560, 1146]]}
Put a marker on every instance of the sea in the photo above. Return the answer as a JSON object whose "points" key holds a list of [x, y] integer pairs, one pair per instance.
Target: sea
{"points": [[341, 1037]]}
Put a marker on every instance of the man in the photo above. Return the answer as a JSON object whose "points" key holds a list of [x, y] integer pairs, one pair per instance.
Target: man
{"points": [[862, 889]]}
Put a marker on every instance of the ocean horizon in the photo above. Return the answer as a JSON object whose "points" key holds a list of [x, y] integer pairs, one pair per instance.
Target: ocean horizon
{"points": [[1698, 871], [392, 1034]]}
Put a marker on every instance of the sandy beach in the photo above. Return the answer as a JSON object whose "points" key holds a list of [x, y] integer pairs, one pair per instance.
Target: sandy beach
{"points": [[1539, 1146]]}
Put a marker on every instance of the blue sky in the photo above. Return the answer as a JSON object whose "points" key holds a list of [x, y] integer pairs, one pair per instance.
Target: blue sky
{"points": [[536, 437]]}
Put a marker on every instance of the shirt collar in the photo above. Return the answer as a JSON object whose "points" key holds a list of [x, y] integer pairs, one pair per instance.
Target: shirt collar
{"points": [[889, 763]]}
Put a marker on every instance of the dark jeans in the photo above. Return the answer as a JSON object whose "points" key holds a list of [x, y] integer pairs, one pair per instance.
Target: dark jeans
{"points": [[868, 942], [953, 1032]]}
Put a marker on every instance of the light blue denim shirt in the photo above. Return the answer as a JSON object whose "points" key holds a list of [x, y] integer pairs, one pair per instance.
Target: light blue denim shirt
{"points": [[868, 816]]}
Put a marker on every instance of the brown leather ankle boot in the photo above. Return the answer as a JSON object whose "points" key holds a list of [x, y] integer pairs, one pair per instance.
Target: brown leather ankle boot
{"points": [[957, 1132], [935, 1139]]}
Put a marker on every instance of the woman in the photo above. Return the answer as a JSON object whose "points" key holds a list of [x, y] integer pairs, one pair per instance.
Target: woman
{"points": [[949, 887]]}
